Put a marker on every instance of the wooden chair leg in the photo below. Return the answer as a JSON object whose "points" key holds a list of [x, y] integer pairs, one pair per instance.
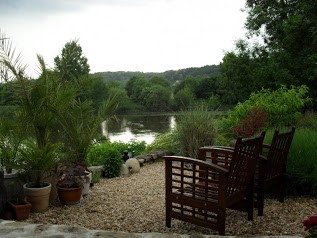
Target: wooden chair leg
{"points": [[250, 201], [260, 201], [167, 215], [222, 221], [281, 190]]}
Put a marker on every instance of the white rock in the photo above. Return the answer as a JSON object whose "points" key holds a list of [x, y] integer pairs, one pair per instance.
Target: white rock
{"points": [[133, 165]]}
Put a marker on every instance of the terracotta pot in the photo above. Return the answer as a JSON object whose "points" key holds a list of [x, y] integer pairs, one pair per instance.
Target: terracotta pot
{"points": [[69, 196], [38, 197], [21, 211]]}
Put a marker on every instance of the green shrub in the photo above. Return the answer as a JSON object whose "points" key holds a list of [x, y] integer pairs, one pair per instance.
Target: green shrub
{"points": [[112, 164], [136, 147], [166, 141], [98, 152], [282, 108], [195, 128]]}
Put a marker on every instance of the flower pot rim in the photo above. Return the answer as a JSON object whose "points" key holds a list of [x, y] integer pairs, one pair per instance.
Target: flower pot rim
{"points": [[25, 202], [70, 188], [28, 185]]}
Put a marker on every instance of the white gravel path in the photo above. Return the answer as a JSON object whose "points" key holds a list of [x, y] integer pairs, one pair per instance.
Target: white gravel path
{"points": [[136, 203]]}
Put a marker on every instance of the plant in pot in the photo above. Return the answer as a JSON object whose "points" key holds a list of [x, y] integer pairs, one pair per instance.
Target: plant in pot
{"points": [[37, 101], [80, 125], [70, 184], [11, 137], [38, 164]]}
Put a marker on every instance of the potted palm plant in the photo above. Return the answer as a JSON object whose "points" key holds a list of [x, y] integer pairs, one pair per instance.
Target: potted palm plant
{"points": [[37, 101], [80, 125], [38, 164]]}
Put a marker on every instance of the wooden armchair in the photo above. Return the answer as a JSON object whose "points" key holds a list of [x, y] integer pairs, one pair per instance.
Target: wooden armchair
{"points": [[272, 167], [199, 192]]}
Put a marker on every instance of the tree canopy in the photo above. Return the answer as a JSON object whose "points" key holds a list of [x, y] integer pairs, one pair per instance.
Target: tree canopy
{"points": [[71, 64]]}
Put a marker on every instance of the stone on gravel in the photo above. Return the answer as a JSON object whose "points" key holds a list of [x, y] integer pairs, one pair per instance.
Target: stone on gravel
{"points": [[133, 165]]}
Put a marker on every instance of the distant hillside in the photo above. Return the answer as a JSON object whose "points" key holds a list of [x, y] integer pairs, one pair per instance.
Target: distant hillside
{"points": [[171, 75]]}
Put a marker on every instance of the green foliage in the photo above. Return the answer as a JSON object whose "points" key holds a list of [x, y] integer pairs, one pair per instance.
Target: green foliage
{"points": [[136, 147], [93, 89], [80, 125], [308, 120], [282, 107], [237, 80], [153, 94], [71, 64], [96, 176], [112, 164], [121, 98], [290, 37], [166, 141], [11, 137], [195, 128], [301, 170], [155, 98], [160, 81], [37, 161], [301, 166], [109, 155], [99, 151], [183, 99], [170, 75]]}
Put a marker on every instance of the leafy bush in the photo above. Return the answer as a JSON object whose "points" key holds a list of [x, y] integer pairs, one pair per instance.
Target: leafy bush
{"points": [[136, 147], [166, 141], [282, 108], [112, 163], [254, 121], [99, 152], [195, 128]]}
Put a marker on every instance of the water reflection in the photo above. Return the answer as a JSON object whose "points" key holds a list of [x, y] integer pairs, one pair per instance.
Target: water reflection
{"points": [[141, 128]]}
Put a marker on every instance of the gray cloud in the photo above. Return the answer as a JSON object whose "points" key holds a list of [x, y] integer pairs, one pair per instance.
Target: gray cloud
{"points": [[40, 7]]}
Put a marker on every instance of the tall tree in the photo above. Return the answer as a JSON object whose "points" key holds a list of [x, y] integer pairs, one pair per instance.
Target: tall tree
{"points": [[288, 28], [71, 64]]}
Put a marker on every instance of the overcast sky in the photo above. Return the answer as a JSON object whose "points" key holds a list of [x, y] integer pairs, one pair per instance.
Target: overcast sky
{"points": [[125, 35]]}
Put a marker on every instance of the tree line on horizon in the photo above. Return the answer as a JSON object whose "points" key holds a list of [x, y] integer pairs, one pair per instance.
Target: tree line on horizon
{"points": [[286, 55]]}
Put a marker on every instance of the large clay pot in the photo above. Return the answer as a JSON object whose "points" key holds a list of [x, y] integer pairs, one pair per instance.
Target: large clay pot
{"points": [[38, 197], [69, 196]]}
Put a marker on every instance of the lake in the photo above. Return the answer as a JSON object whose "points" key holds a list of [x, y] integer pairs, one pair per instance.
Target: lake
{"points": [[139, 127]]}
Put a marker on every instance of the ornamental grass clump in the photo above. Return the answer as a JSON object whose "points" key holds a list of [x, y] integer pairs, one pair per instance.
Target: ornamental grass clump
{"points": [[195, 128], [301, 168]]}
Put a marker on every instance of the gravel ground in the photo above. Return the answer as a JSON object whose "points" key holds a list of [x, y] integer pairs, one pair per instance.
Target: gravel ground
{"points": [[136, 203]]}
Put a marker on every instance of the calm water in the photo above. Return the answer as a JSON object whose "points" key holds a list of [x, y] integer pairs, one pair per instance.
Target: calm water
{"points": [[141, 128]]}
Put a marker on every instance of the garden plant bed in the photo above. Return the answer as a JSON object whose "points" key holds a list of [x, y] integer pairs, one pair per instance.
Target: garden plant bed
{"points": [[136, 203]]}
